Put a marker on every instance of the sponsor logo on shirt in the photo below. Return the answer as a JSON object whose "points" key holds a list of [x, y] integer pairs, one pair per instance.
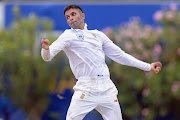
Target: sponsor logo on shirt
{"points": [[94, 35], [80, 36], [82, 96]]}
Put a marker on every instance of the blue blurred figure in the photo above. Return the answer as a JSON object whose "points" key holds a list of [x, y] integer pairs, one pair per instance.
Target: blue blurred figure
{"points": [[4, 114]]}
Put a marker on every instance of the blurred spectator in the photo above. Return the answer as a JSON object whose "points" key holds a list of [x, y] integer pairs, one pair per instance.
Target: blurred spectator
{"points": [[4, 114]]}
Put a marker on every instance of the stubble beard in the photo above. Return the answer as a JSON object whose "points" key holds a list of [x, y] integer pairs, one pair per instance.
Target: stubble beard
{"points": [[76, 25]]}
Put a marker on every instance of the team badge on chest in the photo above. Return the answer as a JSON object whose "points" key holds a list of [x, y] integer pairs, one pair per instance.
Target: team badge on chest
{"points": [[80, 36]]}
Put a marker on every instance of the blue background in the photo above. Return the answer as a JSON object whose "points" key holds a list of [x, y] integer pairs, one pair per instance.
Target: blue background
{"points": [[98, 16]]}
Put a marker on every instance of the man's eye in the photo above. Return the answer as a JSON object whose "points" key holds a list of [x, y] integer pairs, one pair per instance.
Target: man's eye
{"points": [[74, 14], [67, 17]]}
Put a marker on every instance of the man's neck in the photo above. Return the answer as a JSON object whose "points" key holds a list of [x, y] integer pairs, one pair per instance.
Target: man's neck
{"points": [[82, 26]]}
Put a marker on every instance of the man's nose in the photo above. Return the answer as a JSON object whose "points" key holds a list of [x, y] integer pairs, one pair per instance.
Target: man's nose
{"points": [[71, 18]]}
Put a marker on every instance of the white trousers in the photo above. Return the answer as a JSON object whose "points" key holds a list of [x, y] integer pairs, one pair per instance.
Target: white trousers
{"points": [[97, 93]]}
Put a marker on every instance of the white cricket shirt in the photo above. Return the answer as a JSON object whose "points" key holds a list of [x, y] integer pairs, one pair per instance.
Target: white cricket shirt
{"points": [[86, 50]]}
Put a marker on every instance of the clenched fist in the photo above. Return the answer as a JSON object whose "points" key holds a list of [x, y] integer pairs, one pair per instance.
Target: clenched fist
{"points": [[156, 67], [45, 43]]}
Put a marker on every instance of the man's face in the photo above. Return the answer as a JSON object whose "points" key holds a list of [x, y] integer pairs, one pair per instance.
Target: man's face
{"points": [[75, 18]]}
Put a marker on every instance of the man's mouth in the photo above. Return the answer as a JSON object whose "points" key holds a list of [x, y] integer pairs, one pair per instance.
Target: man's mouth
{"points": [[73, 22]]}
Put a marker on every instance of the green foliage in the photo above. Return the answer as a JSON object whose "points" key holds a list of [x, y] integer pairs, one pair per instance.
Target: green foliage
{"points": [[28, 75], [143, 94]]}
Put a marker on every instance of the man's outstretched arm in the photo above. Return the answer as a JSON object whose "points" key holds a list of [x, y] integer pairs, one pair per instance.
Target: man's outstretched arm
{"points": [[49, 51], [119, 56]]}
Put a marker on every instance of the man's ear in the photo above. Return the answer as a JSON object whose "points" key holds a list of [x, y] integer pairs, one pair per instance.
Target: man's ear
{"points": [[83, 16]]}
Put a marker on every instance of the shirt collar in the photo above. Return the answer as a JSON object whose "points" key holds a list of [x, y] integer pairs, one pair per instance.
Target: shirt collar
{"points": [[85, 28]]}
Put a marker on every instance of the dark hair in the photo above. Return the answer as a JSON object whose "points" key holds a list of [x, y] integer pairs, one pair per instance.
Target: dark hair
{"points": [[73, 6]]}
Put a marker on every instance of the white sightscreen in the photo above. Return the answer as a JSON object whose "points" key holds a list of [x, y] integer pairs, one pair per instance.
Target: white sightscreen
{"points": [[1, 15]]}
